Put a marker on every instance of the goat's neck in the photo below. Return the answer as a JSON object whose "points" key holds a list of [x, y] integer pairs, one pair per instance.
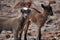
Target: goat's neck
{"points": [[45, 14]]}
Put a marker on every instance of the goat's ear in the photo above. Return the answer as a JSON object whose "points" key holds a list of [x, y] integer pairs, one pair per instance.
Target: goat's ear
{"points": [[42, 5], [22, 10]]}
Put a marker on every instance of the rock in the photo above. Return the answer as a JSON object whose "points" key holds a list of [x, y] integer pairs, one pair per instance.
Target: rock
{"points": [[3, 32], [53, 17], [29, 34], [54, 39], [57, 11], [52, 2], [1, 38], [49, 22], [7, 36], [8, 33]]}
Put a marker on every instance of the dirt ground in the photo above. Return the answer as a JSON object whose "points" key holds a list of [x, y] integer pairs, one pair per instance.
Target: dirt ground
{"points": [[50, 30]]}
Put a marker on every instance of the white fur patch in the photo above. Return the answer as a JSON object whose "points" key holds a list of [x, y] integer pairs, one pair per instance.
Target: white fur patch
{"points": [[25, 8], [25, 15]]}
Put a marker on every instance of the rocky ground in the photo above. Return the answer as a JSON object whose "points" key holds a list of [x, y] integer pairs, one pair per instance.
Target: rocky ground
{"points": [[50, 30]]}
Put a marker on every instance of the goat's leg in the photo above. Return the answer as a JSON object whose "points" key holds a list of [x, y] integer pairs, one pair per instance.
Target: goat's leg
{"points": [[0, 30], [15, 32], [22, 26], [26, 29], [39, 34], [20, 34]]}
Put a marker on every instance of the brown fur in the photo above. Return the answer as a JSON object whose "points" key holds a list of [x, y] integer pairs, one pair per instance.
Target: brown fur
{"points": [[8, 23], [39, 19]]}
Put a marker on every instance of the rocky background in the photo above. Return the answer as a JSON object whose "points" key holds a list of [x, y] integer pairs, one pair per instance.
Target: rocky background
{"points": [[50, 30]]}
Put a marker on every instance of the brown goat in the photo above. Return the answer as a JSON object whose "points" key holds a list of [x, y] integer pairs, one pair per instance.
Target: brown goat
{"points": [[11, 24], [14, 23], [38, 18], [35, 16]]}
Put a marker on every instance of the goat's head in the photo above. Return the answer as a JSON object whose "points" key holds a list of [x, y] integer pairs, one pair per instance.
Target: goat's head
{"points": [[48, 9], [25, 11], [25, 5]]}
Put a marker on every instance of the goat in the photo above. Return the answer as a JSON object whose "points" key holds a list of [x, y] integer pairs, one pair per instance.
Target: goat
{"points": [[13, 23], [24, 5], [38, 18], [34, 15]]}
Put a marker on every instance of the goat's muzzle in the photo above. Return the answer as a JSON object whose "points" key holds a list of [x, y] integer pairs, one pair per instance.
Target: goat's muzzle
{"points": [[25, 11]]}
